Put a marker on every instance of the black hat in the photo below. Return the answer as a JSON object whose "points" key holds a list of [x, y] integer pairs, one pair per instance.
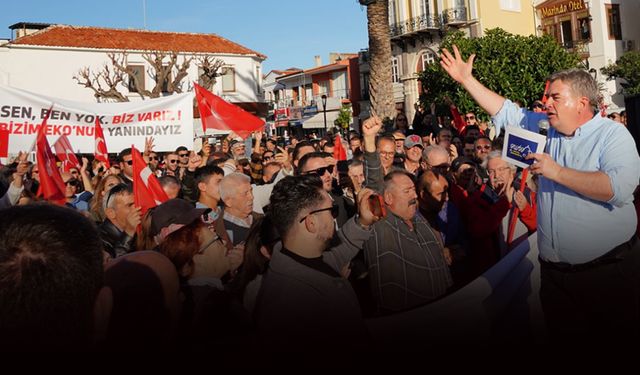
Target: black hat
{"points": [[459, 161], [174, 211]]}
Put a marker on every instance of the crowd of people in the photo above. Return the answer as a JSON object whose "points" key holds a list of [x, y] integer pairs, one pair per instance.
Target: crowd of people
{"points": [[286, 244]]}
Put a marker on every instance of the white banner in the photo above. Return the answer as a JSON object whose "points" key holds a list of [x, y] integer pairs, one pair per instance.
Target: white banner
{"points": [[169, 120]]}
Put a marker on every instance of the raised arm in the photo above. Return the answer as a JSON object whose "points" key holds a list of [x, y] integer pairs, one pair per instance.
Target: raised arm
{"points": [[461, 72]]}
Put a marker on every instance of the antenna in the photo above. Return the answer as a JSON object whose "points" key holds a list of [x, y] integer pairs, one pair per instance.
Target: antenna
{"points": [[144, 13]]}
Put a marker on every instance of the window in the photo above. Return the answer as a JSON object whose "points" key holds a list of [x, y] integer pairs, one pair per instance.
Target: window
{"points": [[365, 86], [584, 28], [392, 12], [428, 57], [424, 7], [395, 70], [228, 79], [340, 85], [613, 21], [165, 84], [138, 72], [511, 5], [324, 87], [567, 38]]}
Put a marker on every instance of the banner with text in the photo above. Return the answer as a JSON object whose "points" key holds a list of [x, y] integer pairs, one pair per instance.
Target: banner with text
{"points": [[169, 120]]}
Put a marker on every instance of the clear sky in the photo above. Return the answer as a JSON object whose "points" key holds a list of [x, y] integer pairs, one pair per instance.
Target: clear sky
{"points": [[289, 32]]}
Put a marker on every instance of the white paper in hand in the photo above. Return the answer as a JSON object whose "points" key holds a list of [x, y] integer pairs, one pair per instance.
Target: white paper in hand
{"points": [[518, 143], [197, 145]]}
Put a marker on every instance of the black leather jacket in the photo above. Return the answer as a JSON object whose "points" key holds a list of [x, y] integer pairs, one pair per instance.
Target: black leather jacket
{"points": [[115, 241]]}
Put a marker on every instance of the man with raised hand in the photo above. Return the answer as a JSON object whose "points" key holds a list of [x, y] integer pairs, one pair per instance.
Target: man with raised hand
{"points": [[586, 220]]}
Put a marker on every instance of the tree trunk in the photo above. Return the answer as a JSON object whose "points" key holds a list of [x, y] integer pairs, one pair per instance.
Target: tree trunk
{"points": [[381, 88]]}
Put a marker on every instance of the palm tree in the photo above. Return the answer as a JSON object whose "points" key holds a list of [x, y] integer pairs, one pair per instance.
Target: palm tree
{"points": [[381, 89]]}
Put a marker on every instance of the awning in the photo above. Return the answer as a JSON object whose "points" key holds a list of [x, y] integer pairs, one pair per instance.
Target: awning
{"points": [[317, 121]]}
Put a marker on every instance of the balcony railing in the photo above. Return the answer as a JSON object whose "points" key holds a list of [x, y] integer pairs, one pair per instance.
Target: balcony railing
{"points": [[415, 24], [454, 16], [581, 47]]}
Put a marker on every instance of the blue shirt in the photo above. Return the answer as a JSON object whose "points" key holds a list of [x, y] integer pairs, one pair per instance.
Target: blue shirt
{"points": [[571, 227]]}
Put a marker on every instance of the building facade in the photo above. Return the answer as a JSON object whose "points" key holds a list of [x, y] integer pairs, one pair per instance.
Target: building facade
{"points": [[309, 100], [600, 31], [44, 59]]}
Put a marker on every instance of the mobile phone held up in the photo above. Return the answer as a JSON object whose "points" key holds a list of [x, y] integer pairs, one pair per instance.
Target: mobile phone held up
{"points": [[376, 205]]}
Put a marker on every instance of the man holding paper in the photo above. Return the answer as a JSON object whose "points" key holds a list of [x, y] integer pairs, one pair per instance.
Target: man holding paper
{"points": [[586, 220]]}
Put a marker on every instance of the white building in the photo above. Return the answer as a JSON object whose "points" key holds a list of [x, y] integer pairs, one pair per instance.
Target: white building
{"points": [[600, 31], [43, 59]]}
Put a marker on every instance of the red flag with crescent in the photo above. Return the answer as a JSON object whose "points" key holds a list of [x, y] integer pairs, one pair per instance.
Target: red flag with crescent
{"points": [[101, 152], [215, 113], [147, 191], [52, 186], [65, 154]]}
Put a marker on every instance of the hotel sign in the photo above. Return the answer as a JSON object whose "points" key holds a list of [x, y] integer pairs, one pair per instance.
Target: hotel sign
{"points": [[562, 8]]}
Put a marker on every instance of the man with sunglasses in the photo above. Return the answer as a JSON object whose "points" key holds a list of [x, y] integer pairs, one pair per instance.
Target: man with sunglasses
{"points": [[126, 166], [316, 163], [304, 299], [172, 165], [183, 156]]}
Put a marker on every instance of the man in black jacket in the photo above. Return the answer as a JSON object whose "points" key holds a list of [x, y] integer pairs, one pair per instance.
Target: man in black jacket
{"points": [[119, 228]]}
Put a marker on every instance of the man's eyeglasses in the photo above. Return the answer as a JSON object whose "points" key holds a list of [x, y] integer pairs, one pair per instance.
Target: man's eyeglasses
{"points": [[183, 155], [321, 171], [205, 246], [483, 147], [173, 161], [387, 154], [153, 158], [335, 209], [129, 162], [470, 117]]}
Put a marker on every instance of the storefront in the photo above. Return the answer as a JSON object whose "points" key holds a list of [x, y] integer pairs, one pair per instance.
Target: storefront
{"points": [[569, 22]]}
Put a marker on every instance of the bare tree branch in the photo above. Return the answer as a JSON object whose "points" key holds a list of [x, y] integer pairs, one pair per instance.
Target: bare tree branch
{"points": [[211, 69]]}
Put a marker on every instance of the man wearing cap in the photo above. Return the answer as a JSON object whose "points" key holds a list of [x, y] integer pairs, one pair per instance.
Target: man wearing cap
{"points": [[413, 150], [171, 216], [238, 149]]}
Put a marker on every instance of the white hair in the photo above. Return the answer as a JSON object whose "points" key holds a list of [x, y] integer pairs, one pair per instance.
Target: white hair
{"points": [[433, 150], [495, 154], [230, 183]]}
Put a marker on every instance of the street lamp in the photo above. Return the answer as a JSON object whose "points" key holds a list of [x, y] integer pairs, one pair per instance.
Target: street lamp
{"points": [[324, 110]]}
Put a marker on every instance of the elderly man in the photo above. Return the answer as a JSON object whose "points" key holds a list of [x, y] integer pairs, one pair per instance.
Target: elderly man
{"points": [[304, 299], [586, 221], [118, 231], [237, 194], [407, 266]]}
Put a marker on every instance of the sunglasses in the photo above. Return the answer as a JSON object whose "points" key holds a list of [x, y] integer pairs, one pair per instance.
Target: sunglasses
{"points": [[153, 158], [334, 211], [115, 190], [129, 162], [72, 182], [485, 147], [172, 161], [183, 155], [470, 117], [321, 171], [441, 169]]}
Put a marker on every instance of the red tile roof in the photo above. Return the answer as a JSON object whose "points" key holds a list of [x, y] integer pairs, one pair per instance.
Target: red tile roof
{"points": [[119, 39]]}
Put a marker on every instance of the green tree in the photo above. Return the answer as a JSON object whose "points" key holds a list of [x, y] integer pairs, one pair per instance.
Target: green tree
{"points": [[344, 117], [514, 66], [626, 68]]}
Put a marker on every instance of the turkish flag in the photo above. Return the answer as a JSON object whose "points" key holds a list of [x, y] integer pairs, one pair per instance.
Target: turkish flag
{"points": [[52, 187], [147, 191], [4, 143], [101, 152], [65, 154], [215, 113], [339, 153]]}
